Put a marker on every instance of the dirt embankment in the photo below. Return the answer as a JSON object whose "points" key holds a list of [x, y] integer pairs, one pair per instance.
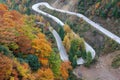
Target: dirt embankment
{"points": [[65, 4], [102, 70]]}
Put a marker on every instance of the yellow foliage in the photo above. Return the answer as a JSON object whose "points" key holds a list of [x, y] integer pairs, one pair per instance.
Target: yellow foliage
{"points": [[11, 68], [70, 35], [44, 74], [67, 28], [66, 43], [41, 19], [48, 24], [67, 40], [12, 78], [23, 70], [42, 46]]}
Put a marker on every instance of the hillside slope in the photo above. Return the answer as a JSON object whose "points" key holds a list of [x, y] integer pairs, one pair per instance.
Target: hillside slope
{"points": [[102, 70]]}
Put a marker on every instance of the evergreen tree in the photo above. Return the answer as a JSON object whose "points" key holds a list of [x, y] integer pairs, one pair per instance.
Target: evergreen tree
{"points": [[74, 62], [33, 62], [5, 51], [61, 33]]}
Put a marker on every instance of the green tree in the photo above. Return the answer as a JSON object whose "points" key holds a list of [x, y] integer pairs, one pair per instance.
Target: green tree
{"points": [[88, 59], [33, 62], [61, 32], [5, 51], [72, 53], [84, 54], [74, 62], [76, 50], [55, 62]]}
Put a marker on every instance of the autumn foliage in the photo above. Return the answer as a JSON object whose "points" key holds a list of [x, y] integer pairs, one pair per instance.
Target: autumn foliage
{"points": [[25, 52], [65, 66], [9, 22], [44, 61], [25, 45], [45, 74], [3, 7], [12, 69], [42, 46], [5, 67]]}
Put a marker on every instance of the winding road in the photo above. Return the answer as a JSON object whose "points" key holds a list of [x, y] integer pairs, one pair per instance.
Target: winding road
{"points": [[63, 54], [61, 48], [35, 7], [102, 72]]}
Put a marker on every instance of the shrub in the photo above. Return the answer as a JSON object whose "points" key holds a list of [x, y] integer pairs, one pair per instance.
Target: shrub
{"points": [[72, 76], [116, 62]]}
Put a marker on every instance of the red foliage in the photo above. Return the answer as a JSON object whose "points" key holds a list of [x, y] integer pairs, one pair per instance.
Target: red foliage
{"points": [[25, 45], [5, 67]]}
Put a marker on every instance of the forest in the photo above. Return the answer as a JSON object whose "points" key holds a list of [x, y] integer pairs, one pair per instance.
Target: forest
{"points": [[29, 49]]}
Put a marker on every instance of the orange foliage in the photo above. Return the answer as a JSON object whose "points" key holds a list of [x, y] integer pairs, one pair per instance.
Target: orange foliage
{"points": [[9, 18], [3, 7], [41, 36], [45, 74], [44, 61], [17, 17], [25, 65], [42, 46], [10, 21], [65, 66]]}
